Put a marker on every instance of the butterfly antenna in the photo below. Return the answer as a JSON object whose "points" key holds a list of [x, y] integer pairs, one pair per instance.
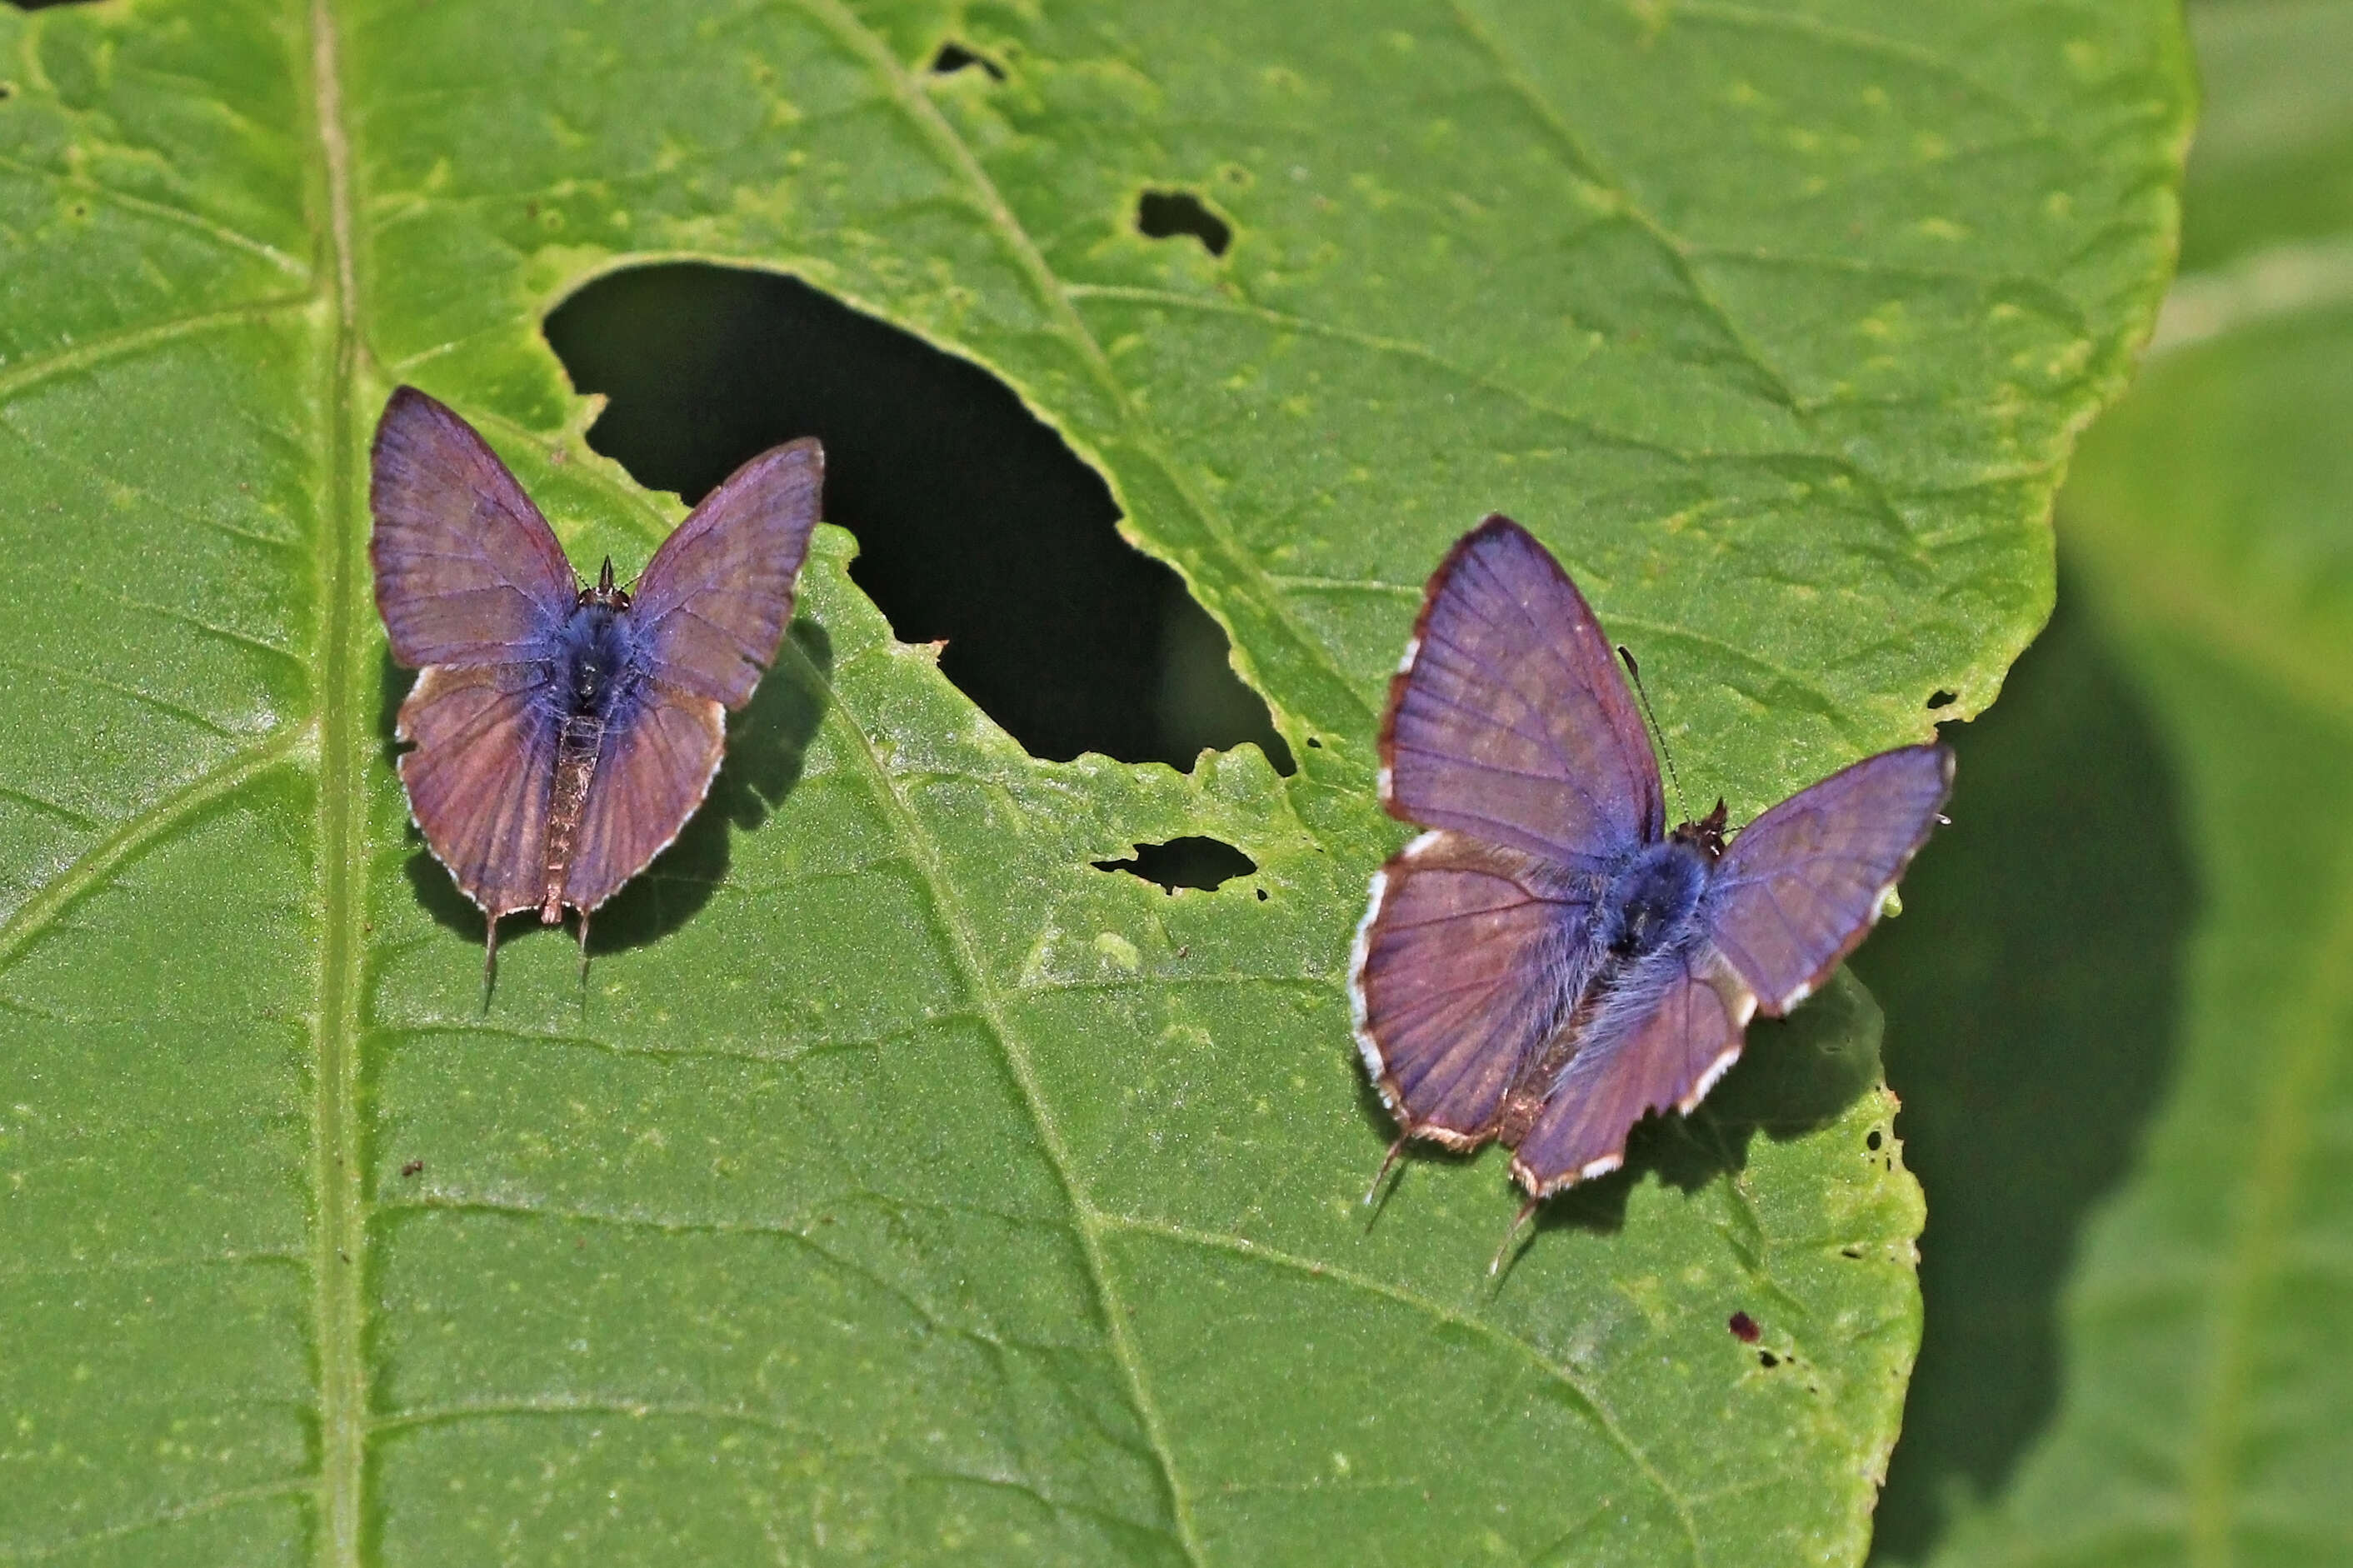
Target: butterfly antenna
{"points": [[1387, 1161], [1495, 1265], [1625, 656]]}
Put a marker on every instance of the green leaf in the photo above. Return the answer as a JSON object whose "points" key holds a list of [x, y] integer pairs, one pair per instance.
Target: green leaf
{"points": [[2206, 1414], [902, 1187]]}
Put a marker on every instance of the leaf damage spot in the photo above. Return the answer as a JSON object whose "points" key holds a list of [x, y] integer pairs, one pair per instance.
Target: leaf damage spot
{"points": [[954, 56], [1194, 862], [1165, 215], [1943, 699], [976, 524]]}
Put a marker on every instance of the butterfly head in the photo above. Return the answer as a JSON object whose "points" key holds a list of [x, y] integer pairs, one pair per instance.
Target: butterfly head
{"points": [[605, 594], [1707, 834]]}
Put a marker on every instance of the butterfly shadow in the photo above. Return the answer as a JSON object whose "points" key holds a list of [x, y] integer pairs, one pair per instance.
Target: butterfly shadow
{"points": [[1796, 1077], [767, 744]]}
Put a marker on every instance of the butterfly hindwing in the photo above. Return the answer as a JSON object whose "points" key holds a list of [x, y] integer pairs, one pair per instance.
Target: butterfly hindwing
{"points": [[1509, 719], [467, 570], [480, 776], [1801, 884], [1464, 966], [653, 771], [714, 603], [1659, 1041]]}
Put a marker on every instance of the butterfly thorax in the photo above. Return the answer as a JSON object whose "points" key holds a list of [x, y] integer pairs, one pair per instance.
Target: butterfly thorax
{"points": [[1652, 896], [598, 668]]}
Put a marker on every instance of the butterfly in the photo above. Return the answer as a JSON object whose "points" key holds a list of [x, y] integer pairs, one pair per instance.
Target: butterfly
{"points": [[564, 733], [1551, 963]]}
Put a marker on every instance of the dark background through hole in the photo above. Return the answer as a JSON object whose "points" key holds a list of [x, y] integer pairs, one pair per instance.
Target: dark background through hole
{"points": [[974, 522]]}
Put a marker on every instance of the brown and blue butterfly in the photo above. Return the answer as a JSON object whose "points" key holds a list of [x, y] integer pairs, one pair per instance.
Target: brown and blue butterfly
{"points": [[565, 732], [1551, 963]]}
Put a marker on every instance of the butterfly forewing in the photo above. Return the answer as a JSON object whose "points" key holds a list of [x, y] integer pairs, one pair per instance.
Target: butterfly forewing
{"points": [[1801, 884], [1464, 965], [1509, 719], [714, 600], [651, 772], [479, 777], [1659, 1042], [467, 570]]}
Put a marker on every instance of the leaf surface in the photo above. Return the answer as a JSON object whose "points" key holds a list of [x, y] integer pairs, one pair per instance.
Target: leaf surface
{"points": [[903, 1187]]}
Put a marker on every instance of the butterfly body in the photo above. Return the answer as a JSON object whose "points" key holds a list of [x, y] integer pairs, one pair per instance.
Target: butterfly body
{"points": [[563, 733], [1548, 966]]}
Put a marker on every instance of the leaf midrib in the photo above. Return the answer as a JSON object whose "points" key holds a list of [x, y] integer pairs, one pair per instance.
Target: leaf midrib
{"points": [[338, 1220]]}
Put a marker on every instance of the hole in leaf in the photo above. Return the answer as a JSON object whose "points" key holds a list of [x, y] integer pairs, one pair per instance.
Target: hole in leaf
{"points": [[1943, 699], [1874, 1141], [1164, 214], [1768, 1360], [1191, 862], [976, 524], [954, 56]]}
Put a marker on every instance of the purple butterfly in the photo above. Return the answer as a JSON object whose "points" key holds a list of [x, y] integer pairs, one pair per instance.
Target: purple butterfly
{"points": [[1552, 963], [563, 734]]}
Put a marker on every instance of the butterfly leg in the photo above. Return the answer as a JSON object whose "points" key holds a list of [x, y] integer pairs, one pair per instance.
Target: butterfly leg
{"points": [[1495, 1266], [489, 957], [1387, 1161], [584, 950]]}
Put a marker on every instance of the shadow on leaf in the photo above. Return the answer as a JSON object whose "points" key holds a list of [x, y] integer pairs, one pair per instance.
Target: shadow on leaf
{"points": [[1796, 1076]]}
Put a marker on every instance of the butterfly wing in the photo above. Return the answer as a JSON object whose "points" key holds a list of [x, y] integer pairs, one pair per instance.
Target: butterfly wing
{"points": [[1801, 884], [1466, 959], [714, 600], [480, 776], [467, 570], [654, 769], [1509, 719], [1665, 1034]]}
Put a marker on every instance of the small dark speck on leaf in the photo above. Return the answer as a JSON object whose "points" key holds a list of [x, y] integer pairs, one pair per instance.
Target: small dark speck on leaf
{"points": [[1190, 862], [1849, 1252], [1874, 1141], [1164, 214], [954, 56], [1315, 743], [414, 1168], [1743, 1328], [1262, 895], [7, 89], [1768, 1360], [1943, 699]]}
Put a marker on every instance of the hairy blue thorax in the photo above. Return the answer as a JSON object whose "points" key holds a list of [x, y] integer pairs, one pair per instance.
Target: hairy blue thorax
{"points": [[596, 653], [1654, 898]]}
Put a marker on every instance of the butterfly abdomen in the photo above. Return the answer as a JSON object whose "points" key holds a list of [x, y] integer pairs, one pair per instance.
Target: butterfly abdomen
{"points": [[598, 672]]}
